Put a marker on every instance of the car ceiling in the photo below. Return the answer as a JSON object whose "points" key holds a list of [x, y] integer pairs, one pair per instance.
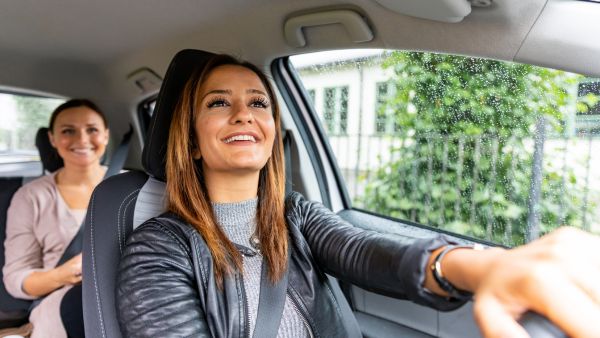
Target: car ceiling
{"points": [[87, 48], [110, 32], [101, 31]]}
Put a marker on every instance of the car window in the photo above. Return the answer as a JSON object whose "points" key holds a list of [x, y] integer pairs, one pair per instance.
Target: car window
{"points": [[22, 116], [492, 150]]}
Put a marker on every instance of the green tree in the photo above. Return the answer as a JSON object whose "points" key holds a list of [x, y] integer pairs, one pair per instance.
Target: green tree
{"points": [[34, 112], [465, 160]]}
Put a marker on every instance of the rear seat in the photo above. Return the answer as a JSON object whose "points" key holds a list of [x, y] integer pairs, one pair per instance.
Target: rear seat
{"points": [[14, 312], [51, 162]]}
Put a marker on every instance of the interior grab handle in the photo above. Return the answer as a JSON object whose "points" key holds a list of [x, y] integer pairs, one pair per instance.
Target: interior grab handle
{"points": [[354, 23]]}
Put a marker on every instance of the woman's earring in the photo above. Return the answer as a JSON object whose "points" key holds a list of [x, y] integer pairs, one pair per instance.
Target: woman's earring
{"points": [[196, 154]]}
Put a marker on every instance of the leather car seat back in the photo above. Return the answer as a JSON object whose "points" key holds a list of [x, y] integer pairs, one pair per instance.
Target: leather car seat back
{"points": [[120, 199]]}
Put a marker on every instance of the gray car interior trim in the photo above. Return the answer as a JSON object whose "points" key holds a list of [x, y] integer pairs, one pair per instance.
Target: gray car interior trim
{"points": [[150, 201], [357, 28]]}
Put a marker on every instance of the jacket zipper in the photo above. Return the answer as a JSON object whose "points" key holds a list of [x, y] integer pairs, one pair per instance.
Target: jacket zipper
{"points": [[246, 252], [246, 310], [300, 314]]}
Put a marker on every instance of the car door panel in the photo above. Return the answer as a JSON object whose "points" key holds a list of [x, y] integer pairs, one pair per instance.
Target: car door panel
{"points": [[382, 316]]}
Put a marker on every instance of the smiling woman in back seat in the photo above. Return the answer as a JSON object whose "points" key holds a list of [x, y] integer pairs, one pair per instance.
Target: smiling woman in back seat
{"points": [[45, 215]]}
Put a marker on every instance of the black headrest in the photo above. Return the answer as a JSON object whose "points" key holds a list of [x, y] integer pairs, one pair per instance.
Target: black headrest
{"points": [[51, 161], [183, 65]]}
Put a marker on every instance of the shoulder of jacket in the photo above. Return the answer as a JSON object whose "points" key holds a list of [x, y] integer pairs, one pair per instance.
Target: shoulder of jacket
{"points": [[293, 199], [37, 188], [167, 225], [296, 202]]}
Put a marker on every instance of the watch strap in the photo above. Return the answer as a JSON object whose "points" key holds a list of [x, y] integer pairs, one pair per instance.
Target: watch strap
{"points": [[444, 284]]}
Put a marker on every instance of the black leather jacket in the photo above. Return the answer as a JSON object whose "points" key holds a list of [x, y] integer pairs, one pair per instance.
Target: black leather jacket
{"points": [[166, 286]]}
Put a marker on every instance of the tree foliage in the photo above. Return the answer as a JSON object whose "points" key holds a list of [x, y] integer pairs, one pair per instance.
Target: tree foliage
{"points": [[33, 113], [464, 163]]}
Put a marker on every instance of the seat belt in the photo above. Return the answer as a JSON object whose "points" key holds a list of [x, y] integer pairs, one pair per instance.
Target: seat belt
{"points": [[116, 164], [120, 155], [271, 302], [272, 297]]}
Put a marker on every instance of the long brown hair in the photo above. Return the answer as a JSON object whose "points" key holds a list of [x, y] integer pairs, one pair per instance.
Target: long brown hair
{"points": [[187, 195]]}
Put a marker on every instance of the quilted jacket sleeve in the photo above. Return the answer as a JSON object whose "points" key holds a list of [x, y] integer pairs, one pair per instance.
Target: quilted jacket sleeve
{"points": [[156, 293], [378, 262]]}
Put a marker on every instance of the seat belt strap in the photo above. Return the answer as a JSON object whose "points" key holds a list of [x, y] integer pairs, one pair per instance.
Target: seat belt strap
{"points": [[120, 155], [270, 303]]}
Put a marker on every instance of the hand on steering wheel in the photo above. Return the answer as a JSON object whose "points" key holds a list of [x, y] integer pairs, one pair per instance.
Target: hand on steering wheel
{"points": [[556, 276]]}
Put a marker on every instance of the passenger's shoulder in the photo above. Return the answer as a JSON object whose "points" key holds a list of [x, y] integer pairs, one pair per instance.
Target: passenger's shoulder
{"points": [[42, 181], [41, 187]]}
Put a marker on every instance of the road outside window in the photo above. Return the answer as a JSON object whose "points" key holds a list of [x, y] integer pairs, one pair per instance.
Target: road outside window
{"points": [[493, 150]]}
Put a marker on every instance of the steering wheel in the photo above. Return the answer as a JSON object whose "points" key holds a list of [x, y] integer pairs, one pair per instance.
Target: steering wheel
{"points": [[539, 327]]}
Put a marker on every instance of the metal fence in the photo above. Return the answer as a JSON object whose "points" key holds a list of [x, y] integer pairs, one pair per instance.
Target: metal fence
{"points": [[474, 161]]}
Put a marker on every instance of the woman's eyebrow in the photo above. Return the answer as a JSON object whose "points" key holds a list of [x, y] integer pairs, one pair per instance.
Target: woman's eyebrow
{"points": [[229, 92], [256, 91], [69, 125], [218, 91]]}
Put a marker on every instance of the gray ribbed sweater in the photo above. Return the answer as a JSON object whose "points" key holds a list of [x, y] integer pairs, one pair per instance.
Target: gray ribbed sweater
{"points": [[238, 221]]}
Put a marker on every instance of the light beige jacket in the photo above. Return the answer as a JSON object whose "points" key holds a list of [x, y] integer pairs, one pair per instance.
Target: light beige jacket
{"points": [[39, 227]]}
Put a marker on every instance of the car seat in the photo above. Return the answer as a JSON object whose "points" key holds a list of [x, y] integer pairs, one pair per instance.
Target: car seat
{"points": [[124, 201], [51, 161], [13, 311]]}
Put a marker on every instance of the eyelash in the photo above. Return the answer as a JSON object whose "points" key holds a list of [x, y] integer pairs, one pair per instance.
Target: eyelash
{"points": [[264, 103], [217, 102], [71, 131], [257, 102]]}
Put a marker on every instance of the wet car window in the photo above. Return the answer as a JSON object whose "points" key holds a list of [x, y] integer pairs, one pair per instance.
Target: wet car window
{"points": [[489, 149]]}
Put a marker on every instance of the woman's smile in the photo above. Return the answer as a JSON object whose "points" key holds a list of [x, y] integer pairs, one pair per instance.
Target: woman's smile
{"points": [[242, 138], [83, 150]]}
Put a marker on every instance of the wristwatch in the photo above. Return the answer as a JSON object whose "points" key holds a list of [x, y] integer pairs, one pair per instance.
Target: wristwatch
{"points": [[436, 269]]}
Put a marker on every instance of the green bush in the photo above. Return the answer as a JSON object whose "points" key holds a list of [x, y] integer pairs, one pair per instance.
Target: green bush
{"points": [[468, 127]]}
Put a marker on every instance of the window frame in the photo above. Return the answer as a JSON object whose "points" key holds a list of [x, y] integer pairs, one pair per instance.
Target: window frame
{"points": [[305, 117]]}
